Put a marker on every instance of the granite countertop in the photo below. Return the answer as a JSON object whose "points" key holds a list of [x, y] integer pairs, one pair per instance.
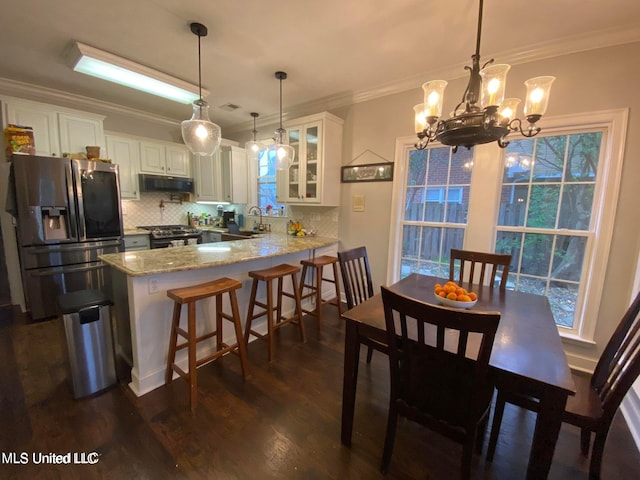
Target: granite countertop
{"points": [[191, 257]]}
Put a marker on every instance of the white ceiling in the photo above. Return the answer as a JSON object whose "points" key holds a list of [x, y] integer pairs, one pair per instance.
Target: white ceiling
{"points": [[335, 51]]}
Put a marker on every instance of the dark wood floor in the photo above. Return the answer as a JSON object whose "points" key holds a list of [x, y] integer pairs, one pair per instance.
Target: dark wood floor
{"points": [[284, 422]]}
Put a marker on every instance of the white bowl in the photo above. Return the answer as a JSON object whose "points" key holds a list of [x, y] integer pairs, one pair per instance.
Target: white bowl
{"points": [[454, 303]]}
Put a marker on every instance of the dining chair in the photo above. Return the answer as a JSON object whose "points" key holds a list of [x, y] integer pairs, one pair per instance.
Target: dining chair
{"points": [[437, 380], [597, 396], [358, 286], [488, 264]]}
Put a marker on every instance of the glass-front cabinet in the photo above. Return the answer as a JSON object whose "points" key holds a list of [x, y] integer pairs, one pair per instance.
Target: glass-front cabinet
{"points": [[314, 176]]}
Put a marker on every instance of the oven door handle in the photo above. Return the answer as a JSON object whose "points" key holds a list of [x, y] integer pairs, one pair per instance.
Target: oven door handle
{"points": [[44, 272]]}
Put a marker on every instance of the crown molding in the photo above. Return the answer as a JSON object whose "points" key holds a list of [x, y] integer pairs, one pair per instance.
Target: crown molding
{"points": [[45, 94], [543, 50]]}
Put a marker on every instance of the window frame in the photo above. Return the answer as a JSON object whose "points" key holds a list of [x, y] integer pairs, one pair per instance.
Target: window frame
{"points": [[480, 233]]}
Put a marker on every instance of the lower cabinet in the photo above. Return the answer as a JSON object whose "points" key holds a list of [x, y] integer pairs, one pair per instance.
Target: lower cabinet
{"points": [[137, 242], [211, 237]]}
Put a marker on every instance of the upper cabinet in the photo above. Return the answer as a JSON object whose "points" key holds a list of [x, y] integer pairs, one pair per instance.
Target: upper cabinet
{"points": [[222, 177], [234, 179], [125, 152], [164, 159], [314, 176], [56, 130]]}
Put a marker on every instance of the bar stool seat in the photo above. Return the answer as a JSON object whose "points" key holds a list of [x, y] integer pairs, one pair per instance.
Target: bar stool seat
{"points": [[268, 275], [314, 289], [190, 295]]}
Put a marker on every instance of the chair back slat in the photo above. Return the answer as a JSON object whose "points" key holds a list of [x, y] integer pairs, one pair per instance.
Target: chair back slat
{"points": [[432, 370], [356, 275], [619, 364], [460, 259]]}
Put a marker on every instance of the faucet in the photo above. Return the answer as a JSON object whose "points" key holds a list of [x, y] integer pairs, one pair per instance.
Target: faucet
{"points": [[260, 225]]}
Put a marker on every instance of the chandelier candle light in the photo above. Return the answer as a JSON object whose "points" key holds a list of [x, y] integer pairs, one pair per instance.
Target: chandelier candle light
{"points": [[200, 135], [483, 115], [283, 152], [253, 147]]}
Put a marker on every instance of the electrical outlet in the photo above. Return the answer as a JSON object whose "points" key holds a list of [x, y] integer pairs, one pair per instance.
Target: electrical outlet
{"points": [[154, 285]]}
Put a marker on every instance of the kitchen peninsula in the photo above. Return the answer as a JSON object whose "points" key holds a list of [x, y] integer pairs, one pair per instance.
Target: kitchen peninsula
{"points": [[142, 311]]}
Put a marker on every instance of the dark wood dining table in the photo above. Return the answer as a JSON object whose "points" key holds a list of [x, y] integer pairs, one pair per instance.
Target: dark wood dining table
{"points": [[527, 356]]}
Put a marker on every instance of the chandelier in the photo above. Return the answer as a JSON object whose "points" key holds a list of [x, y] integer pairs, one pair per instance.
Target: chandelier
{"points": [[483, 115], [253, 147]]}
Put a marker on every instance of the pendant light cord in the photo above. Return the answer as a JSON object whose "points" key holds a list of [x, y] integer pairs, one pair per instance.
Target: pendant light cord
{"points": [[199, 69], [280, 103]]}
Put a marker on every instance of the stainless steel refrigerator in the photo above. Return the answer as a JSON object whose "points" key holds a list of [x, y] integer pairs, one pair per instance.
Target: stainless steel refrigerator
{"points": [[68, 213]]}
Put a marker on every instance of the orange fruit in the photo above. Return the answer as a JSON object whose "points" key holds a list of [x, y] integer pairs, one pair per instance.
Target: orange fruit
{"points": [[442, 293], [464, 298], [452, 296], [473, 296], [460, 291], [437, 286]]}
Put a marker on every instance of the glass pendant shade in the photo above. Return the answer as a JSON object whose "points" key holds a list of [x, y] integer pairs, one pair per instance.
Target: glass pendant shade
{"points": [[284, 154], [420, 121], [201, 135], [433, 96], [253, 149], [538, 89], [509, 108], [494, 80]]}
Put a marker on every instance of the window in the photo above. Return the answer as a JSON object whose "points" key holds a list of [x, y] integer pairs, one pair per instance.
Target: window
{"points": [[267, 181], [436, 207], [550, 202], [545, 213]]}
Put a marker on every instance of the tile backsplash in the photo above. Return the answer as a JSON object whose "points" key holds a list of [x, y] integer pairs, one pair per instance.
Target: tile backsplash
{"points": [[147, 211]]}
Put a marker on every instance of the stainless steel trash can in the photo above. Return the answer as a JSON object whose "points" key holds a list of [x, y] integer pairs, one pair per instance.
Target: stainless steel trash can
{"points": [[87, 326]]}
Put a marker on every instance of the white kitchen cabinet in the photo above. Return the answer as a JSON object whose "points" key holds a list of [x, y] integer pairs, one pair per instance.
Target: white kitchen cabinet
{"points": [[233, 163], [314, 176], [137, 242], [77, 131], [222, 177], [125, 152], [204, 177], [164, 159], [56, 130]]}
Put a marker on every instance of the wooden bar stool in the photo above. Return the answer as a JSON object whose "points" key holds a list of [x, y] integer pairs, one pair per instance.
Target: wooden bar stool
{"points": [[190, 295], [268, 275], [315, 290]]}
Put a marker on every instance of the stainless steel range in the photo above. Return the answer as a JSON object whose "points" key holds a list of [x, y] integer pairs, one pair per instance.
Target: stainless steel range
{"points": [[163, 236]]}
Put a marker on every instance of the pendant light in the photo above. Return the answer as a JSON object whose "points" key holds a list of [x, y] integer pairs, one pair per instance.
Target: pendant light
{"points": [[283, 153], [253, 147], [200, 134]]}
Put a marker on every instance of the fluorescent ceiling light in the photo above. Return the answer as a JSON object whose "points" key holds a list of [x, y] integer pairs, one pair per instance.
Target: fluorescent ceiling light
{"points": [[107, 66]]}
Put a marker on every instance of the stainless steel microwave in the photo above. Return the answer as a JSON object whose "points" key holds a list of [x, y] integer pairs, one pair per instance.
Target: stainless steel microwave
{"points": [[159, 183]]}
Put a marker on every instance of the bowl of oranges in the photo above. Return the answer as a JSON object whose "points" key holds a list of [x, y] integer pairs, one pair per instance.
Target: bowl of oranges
{"points": [[453, 295]]}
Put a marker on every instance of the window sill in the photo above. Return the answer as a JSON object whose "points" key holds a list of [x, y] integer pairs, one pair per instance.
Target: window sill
{"points": [[572, 339]]}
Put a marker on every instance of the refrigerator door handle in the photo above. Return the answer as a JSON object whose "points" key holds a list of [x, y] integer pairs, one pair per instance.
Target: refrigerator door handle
{"points": [[73, 208], [71, 247], [44, 272]]}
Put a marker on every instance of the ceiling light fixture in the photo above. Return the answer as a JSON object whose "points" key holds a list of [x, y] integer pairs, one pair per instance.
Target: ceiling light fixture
{"points": [[107, 66], [253, 147], [483, 115], [200, 134], [284, 153]]}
